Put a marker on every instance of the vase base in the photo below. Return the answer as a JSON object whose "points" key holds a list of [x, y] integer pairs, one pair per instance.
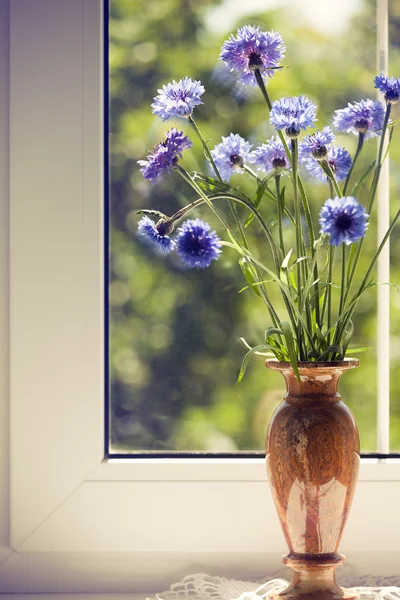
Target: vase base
{"points": [[314, 579], [297, 593]]}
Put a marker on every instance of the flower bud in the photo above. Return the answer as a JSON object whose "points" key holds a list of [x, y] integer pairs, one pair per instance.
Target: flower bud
{"points": [[255, 61], [320, 153], [292, 131], [392, 97], [237, 160], [164, 226], [279, 163], [361, 125]]}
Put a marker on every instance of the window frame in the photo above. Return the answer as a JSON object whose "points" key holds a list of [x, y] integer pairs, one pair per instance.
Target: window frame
{"points": [[71, 520]]}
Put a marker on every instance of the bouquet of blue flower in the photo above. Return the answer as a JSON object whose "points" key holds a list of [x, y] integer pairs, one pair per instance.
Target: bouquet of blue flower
{"points": [[309, 326]]}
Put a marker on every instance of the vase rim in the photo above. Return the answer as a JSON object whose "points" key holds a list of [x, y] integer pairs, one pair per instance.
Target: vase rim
{"points": [[347, 363]]}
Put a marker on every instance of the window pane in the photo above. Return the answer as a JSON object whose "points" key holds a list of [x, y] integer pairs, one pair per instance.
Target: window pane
{"points": [[174, 333]]}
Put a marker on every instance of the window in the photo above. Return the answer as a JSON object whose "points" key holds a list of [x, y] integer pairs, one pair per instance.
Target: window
{"points": [[174, 333], [74, 521]]}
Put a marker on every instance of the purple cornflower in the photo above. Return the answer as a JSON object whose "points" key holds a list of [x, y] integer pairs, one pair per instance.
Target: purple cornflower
{"points": [[316, 144], [178, 99], [157, 234], [230, 155], [389, 86], [364, 117], [196, 244], [270, 156], [339, 160], [344, 219], [253, 49], [293, 114], [165, 154]]}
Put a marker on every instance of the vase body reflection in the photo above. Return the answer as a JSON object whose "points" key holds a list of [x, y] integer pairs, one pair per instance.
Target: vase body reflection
{"points": [[313, 453]]}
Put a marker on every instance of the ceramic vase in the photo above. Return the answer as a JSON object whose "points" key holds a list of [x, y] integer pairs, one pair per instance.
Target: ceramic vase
{"points": [[313, 454]]}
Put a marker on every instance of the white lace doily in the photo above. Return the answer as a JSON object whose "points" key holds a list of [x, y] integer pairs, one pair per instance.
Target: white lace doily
{"points": [[206, 587]]}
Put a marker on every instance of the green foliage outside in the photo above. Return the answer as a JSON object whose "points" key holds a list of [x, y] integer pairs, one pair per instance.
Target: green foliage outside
{"points": [[175, 351]]}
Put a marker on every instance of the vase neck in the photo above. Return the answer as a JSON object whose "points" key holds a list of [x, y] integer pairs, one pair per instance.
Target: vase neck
{"points": [[316, 379]]}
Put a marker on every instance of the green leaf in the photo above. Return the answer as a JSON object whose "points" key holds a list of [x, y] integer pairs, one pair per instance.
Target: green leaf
{"points": [[247, 345], [359, 350], [280, 352], [261, 190], [347, 335], [285, 262], [388, 145], [245, 362], [362, 179], [255, 285], [334, 349], [250, 274], [152, 213], [213, 186], [291, 346]]}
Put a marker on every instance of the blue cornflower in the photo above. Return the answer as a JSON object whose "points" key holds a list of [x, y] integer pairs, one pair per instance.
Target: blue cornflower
{"points": [[157, 234], [293, 114], [316, 144], [196, 244], [178, 99], [231, 154], [339, 160], [390, 86], [344, 219], [270, 156], [253, 49], [364, 117], [165, 154]]}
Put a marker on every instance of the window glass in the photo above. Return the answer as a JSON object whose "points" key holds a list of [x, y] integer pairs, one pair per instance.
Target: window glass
{"points": [[175, 348]]}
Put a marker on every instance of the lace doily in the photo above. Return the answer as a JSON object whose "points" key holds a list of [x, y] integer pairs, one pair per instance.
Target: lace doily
{"points": [[206, 587]]}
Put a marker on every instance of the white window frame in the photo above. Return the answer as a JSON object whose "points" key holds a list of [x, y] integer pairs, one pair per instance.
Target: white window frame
{"points": [[69, 520]]}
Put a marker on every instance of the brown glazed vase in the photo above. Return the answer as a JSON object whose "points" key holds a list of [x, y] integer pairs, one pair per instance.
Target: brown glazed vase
{"points": [[313, 453]]}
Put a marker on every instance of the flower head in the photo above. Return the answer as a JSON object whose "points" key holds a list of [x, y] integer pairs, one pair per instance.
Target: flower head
{"points": [[196, 244], [165, 154], [253, 49], [365, 117], [270, 156], [389, 86], [231, 154], [339, 160], [344, 219], [178, 99], [293, 114], [316, 144], [157, 233]]}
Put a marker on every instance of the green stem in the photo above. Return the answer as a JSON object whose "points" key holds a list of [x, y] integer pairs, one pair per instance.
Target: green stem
{"points": [[297, 214], [206, 149], [252, 173], [378, 167], [280, 214], [299, 241], [261, 85], [343, 284], [331, 177], [361, 137], [251, 208], [374, 187], [329, 290], [214, 166], [349, 310], [311, 235]]}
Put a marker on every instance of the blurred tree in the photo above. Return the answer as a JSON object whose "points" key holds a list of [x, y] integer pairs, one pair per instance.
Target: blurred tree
{"points": [[175, 350]]}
